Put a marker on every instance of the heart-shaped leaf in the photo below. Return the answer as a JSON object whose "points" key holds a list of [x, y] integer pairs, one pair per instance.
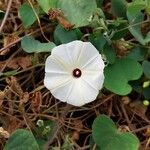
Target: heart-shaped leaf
{"points": [[146, 68], [2, 13], [119, 7], [99, 3], [30, 45], [137, 53], [108, 137], [47, 4], [120, 73], [109, 53], [21, 140], [61, 35], [78, 12], [135, 17], [98, 41], [27, 15]]}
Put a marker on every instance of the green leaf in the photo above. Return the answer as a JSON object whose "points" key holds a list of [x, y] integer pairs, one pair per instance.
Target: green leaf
{"points": [[27, 15], [147, 38], [47, 4], [120, 73], [21, 140], [9, 73], [119, 26], [63, 36], [99, 3], [44, 130], [108, 137], [98, 41], [137, 53], [148, 7], [135, 18], [41, 143], [119, 7], [1, 14], [78, 12], [30, 45], [146, 93], [109, 52], [146, 68]]}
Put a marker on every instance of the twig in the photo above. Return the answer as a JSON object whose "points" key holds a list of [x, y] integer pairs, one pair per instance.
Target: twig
{"points": [[18, 40], [140, 129], [6, 15], [57, 127], [39, 22], [126, 116]]}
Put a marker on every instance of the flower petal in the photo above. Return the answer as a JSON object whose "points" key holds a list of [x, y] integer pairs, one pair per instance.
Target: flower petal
{"points": [[81, 93], [68, 52], [95, 64], [94, 79], [88, 54], [54, 80], [62, 91], [55, 66], [74, 50]]}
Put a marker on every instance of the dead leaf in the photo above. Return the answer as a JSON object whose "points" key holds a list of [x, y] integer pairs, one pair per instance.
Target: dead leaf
{"points": [[13, 124], [56, 14], [147, 133], [2, 95], [75, 136], [24, 98], [4, 133], [126, 100], [78, 125], [36, 101], [15, 63], [24, 62], [7, 40], [139, 108], [123, 128], [14, 85]]}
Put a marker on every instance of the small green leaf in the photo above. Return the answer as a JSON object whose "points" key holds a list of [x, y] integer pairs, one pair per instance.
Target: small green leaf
{"points": [[146, 92], [47, 4], [148, 7], [44, 129], [63, 36], [137, 53], [109, 52], [120, 73], [27, 15], [146, 102], [78, 12], [1, 14], [119, 7], [98, 41], [108, 137], [40, 142], [21, 140], [30, 45], [99, 3], [147, 38], [9, 73], [119, 27], [146, 68], [135, 18]]}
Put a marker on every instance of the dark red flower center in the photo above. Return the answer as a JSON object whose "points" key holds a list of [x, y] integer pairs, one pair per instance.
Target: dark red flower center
{"points": [[77, 73]]}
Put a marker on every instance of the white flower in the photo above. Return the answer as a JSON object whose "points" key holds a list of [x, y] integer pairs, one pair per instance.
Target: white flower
{"points": [[74, 72]]}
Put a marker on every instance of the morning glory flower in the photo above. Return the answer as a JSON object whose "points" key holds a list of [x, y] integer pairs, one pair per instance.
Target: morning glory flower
{"points": [[74, 73]]}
